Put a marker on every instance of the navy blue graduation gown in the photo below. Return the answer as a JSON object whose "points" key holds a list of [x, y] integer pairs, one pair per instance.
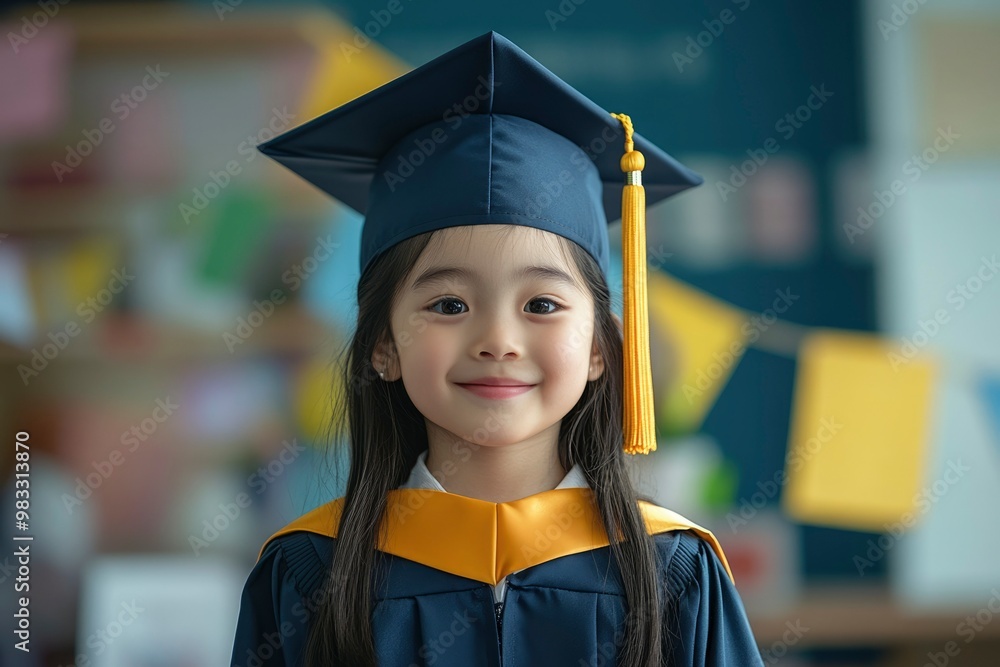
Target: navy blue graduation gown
{"points": [[561, 613]]}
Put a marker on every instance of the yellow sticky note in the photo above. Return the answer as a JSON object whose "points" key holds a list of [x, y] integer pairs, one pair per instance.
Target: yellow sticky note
{"points": [[858, 438], [705, 340]]}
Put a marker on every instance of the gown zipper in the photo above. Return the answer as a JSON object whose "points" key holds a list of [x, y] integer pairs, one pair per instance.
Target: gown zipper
{"points": [[498, 610]]}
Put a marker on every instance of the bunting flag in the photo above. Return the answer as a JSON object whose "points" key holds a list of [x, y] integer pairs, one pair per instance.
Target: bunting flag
{"points": [[860, 421], [859, 432], [704, 342]]}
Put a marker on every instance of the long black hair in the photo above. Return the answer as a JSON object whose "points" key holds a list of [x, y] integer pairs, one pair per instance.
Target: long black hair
{"points": [[386, 434]]}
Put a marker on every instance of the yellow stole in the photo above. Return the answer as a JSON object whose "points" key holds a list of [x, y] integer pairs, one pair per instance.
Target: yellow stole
{"points": [[486, 541]]}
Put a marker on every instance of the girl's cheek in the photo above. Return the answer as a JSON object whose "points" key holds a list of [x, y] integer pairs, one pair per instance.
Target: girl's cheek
{"points": [[573, 342]]}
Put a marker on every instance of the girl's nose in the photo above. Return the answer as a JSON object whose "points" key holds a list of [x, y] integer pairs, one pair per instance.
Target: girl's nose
{"points": [[498, 338]]}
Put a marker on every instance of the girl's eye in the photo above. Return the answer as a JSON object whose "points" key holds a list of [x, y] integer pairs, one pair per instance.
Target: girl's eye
{"points": [[457, 307], [545, 310], [449, 308]]}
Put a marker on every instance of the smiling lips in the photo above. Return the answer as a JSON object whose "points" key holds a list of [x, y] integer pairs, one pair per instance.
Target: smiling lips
{"points": [[495, 387]]}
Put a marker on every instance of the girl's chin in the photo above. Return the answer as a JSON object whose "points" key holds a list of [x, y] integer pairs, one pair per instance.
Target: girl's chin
{"points": [[478, 434]]}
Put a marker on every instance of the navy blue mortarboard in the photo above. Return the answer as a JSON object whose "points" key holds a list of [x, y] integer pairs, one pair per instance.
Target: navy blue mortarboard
{"points": [[484, 134]]}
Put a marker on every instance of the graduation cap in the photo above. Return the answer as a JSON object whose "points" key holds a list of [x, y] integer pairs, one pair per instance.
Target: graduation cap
{"points": [[484, 134]]}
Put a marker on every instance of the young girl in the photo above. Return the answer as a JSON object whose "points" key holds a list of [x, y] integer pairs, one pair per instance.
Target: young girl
{"points": [[491, 397]]}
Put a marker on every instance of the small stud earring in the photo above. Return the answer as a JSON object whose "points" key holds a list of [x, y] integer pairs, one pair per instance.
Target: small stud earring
{"points": [[381, 375]]}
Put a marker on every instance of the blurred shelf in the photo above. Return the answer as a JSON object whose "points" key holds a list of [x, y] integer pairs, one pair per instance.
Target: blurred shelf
{"points": [[842, 616], [168, 27], [128, 338], [81, 208], [114, 31]]}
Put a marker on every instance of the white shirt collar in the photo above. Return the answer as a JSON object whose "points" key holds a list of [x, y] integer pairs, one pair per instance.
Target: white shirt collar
{"points": [[421, 477]]}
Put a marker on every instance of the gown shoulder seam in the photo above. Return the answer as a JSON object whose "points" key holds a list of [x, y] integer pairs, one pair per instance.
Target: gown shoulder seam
{"points": [[305, 564], [684, 564]]}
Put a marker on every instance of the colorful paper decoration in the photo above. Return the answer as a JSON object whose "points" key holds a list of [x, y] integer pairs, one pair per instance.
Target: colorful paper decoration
{"points": [[859, 430], [706, 342]]}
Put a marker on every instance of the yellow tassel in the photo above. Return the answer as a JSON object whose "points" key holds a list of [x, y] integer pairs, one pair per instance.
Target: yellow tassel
{"points": [[638, 418]]}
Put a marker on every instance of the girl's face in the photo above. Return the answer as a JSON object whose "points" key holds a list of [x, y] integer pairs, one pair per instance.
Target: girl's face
{"points": [[493, 301]]}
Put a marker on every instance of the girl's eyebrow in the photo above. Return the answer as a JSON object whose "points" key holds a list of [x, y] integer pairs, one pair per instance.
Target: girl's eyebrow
{"points": [[440, 275]]}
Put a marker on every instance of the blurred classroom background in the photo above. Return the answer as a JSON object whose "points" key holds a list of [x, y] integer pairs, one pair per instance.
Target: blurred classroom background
{"points": [[825, 308]]}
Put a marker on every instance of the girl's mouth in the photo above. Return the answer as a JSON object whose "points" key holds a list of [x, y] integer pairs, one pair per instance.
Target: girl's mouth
{"points": [[497, 391]]}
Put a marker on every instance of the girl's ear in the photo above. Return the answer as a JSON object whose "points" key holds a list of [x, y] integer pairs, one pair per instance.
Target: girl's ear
{"points": [[596, 365], [384, 360], [596, 360]]}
